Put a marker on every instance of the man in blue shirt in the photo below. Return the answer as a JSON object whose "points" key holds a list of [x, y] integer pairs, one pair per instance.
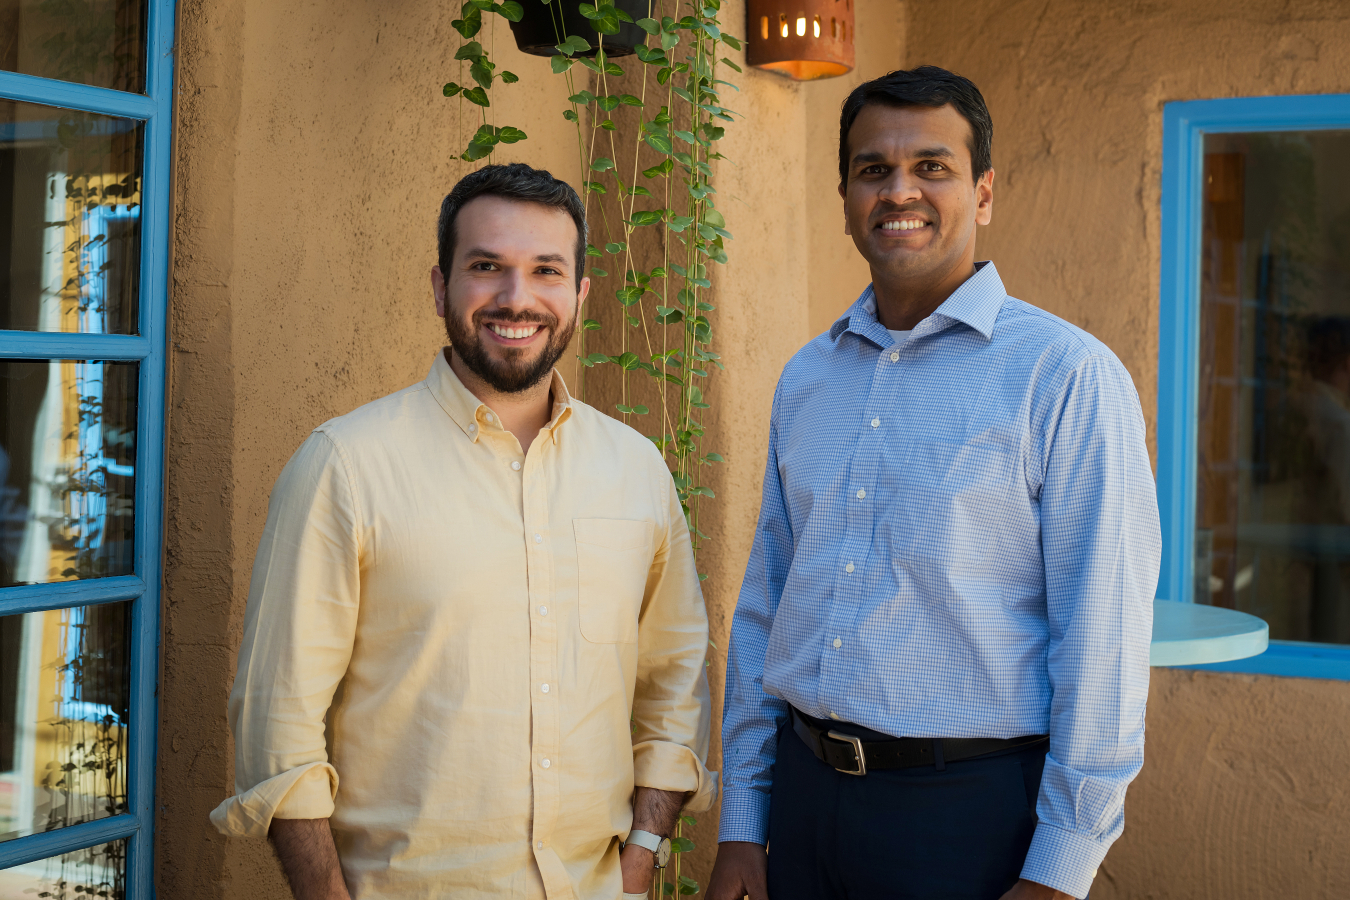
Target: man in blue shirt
{"points": [[939, 659]]}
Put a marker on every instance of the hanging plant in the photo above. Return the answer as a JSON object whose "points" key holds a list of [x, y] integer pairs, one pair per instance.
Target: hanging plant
{"points": [[650, 198]]}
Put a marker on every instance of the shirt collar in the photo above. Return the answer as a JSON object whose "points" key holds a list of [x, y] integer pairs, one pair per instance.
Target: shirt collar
{"points": [[473, 415], [975, 303]]}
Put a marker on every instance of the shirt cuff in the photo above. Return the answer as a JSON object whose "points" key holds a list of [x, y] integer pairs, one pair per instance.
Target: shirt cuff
{"points": [[305, 792], [668, 766], [1063, 860], [745, 816]]}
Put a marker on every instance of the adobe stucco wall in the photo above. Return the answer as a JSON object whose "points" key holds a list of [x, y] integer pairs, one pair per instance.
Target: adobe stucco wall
{"points": [[314, 147], [1244, 792]]}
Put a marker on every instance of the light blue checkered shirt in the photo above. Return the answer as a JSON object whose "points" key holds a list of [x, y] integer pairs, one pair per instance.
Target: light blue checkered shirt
{"points": [[958, 538]]}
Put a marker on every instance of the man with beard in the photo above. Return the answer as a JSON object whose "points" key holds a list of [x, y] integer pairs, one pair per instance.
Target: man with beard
{"points": [[939, 658], [473, 659]]}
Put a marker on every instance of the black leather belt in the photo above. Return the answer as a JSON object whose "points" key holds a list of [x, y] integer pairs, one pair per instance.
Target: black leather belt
{"points": [[854, 756]]}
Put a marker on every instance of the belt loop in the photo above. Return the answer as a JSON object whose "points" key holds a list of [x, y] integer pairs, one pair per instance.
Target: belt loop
{"points": [[938, 761]]}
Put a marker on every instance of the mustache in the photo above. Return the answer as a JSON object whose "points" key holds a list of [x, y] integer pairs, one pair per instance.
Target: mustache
{"points": [[927, 211], [521, 318]]}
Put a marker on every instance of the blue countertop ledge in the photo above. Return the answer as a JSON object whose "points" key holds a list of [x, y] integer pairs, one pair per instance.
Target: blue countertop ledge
{"points": [[1186, 634]]}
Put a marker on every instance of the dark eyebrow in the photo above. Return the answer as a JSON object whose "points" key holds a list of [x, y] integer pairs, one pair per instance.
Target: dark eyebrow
{"points": [[551, 258], [926, 153], [480, 253]]}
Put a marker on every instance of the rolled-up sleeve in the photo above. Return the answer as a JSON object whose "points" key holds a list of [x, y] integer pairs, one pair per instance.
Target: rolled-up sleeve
{"points": [[299, 629], [1101, 546], [672, 709]]}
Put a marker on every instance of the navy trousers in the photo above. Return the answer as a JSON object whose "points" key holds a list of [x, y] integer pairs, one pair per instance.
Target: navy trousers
{"points": [[960, 833]]}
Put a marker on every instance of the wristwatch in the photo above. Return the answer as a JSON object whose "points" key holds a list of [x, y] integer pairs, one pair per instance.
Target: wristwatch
{"points": [[659, 846]]}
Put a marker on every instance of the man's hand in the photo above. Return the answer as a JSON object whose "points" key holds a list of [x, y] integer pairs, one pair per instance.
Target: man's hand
{"points": [[1030, 890], [309, 856], [654, 811], [742, 869]]}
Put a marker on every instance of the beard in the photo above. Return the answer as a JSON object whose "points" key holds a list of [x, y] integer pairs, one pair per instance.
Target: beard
{"points": [[514, 372]]}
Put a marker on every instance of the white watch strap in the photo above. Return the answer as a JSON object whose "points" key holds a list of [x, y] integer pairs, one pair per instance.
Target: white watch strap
{"points": [[641, 896], [644, 839]]}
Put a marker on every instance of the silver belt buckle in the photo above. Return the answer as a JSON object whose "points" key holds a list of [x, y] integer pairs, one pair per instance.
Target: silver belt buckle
{"points": [[857, 751]]}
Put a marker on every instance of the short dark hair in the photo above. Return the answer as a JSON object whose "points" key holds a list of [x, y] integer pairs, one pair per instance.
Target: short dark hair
{"points": [[1328, 346], [515, 181], [925, 86]]}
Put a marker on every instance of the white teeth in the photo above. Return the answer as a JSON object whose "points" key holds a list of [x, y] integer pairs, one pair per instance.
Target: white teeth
{"points": [[513, 332], [905, 225]]}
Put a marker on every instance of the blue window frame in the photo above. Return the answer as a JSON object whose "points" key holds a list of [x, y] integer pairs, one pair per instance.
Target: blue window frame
{"points": [[123, 583], [1185, 127]]}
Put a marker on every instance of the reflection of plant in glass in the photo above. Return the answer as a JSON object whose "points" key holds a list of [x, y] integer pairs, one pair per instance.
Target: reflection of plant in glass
{"points": [[98, 41], [92, 872]]}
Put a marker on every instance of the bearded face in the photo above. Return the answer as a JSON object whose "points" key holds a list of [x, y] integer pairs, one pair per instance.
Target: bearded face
{"points": [[509, 369]]}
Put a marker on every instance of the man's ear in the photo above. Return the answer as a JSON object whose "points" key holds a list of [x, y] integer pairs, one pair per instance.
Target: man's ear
{"points": [[984, 198], [583, 291], [843, 195], [438, 289]]}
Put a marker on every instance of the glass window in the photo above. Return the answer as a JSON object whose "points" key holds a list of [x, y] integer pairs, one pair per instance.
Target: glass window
{"points": [[99, 871], [70, 220], [98, 42], [64, 691], [1273, 444], [67, 469]]}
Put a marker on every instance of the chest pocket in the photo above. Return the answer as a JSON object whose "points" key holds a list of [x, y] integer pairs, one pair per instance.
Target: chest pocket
{"points": [[951, 502], [613, 559]]}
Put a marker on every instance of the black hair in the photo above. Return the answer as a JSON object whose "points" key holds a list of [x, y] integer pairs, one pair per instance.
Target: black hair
{"points": [[925, 86], [1328, 346], [515, 181]]}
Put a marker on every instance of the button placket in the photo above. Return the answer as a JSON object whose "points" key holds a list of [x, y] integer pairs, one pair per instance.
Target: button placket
{"points": [[544, 713]]}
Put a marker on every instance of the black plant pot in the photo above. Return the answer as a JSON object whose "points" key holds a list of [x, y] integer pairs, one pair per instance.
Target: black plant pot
{"points": [[537, 31]]}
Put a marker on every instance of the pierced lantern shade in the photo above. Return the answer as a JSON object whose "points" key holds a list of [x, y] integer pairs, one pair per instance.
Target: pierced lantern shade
{"points": [[803, 39]]}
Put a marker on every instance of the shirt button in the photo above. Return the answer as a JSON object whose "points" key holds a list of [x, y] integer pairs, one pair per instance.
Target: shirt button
{"points": [[540, 845], [472, 428], [543, 610], [544, 689], [515, 464], [895, 356], [876, 422], [849, 568], [538, 538], [838, 643], [545, 763], [488, 416], [861, 494], [834, 716]]}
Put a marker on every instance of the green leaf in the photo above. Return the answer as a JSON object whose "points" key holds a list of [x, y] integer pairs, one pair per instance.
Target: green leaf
{"points": [[509, 77], [595, 358], [470, 23], [477, 95], [608, 104], [595, 187], [634, 410], [714, 132], [627, 361], [590, 64], [629, 100], [711, 30], [646, 217], [668, 315], [651, 26], [663, 75], [471, 50], [585, 98], [733, 65], [589, 11], [714, 218], [590, 325], [623, 16], [573, 45], [612, 68], [570, 115], [559, 64], [629, 295], [639, 191], [683, 94], [678, 224], [476, 150], [669, 40], [481, 71], [685, 136], [511, 10], [659, 142], [451, 89], [599, 272], [616, 247], [714, 457], [603, 164], [510, 135], [681, 845], [591, 251], [733, 42], [651, 56], [665, 168]]}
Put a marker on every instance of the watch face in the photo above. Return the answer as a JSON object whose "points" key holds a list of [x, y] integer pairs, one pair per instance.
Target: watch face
{"points": [[663, 853]]}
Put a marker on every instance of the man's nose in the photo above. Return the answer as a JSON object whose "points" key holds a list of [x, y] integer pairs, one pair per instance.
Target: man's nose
{"points": [[513, 294], [901, 187]]}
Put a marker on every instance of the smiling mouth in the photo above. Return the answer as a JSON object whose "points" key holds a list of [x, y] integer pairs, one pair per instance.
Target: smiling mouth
{"points": [[904, 225], [514, 332]]}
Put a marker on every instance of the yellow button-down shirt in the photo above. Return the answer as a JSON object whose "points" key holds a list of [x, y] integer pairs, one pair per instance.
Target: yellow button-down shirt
{"points": [[467, 655]]}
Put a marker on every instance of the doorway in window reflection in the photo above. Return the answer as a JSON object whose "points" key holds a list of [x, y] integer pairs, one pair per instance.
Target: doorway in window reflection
{"points": [[1273, 485]]}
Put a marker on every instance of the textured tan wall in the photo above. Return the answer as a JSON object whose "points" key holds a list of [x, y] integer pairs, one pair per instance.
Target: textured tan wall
{"points": [[1243, 794], [314, 147]]}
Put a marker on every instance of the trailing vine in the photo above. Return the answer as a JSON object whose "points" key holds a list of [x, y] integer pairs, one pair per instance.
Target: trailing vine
{"points": [[653, 188]]}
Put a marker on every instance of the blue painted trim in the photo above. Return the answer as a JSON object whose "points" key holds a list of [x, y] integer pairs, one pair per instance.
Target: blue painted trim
{"points": [[51, 345], [52, 843], [1291, 659], [1184, 126], [51, 92], [72, 96], [39, 597], [155, 108]]}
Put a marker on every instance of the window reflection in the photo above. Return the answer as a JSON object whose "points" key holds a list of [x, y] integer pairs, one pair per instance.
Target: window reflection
{"points": [[67, 468], [70, 220], [64, 687], [98, 42], [1273, 502], [93, 872]]}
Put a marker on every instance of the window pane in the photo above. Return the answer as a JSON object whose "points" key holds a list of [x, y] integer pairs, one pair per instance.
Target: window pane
{"points": [[93, 872], [1273, 492], [98, 42], [70, 220], [67, 466], [64, 684]]}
